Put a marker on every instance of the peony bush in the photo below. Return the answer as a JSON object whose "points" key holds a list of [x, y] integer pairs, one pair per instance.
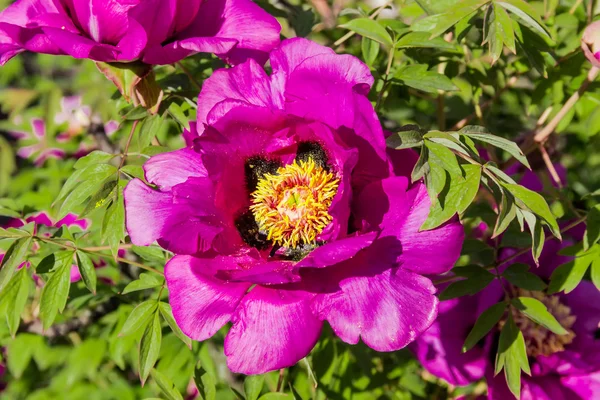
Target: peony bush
{"points": [[259, 200]]}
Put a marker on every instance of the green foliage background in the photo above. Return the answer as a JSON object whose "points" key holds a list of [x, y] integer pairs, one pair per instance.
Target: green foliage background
{"points": [[439, 65]]}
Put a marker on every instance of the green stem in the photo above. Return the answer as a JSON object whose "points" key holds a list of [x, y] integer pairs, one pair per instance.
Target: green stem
{"points": [[96, 251]]}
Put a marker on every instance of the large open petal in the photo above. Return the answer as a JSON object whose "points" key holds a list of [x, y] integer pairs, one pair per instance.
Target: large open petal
{"points": [[315, 83], [254, 29], [386, 308], [169, 169], [586, 386], [337, 251], [162, 19], [246, 83], [105, 21], [23, 12], [183, 221], [398, 212], [201, 303], [236, 30], [19, 29], [310, 58], [272, 329]]}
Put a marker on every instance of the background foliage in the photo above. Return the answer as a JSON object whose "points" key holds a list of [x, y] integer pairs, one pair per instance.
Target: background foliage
{"points": [[441, 66]]}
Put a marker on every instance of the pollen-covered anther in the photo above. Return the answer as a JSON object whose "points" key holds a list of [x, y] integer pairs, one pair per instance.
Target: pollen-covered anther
{"points": [[292, 205]]}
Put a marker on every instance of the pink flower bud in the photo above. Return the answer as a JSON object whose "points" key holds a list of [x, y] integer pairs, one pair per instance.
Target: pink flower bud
{"points": [[590, 43]]}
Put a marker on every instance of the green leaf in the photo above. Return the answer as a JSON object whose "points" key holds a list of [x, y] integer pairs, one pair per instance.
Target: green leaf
{"points": [[166, 385], [13, 233], [537, 235], [531, 50], [178, 115], [139, 317], [595, 275], [102, 197], [504, 28], [512, 356], [205, 382], [477, 279], [150, 253], [459, 195], [87, 271], [538, 313], [7, 212], [7, 164], [167, 313], [423, 39], [150, 347], [492, 36], [56, 291], [369, 28], [446, 156], [113, 224], [253, 386], [405, 139], [370, 50], [592, 233], [150, 127], [497, 141], [53, 261], [526, 13], [14, 256], [146, 281], [93, 158], [154, 150], [20, 351], [136, 113], [85, 185], [13, 299], [567, 276], [417, 76], [435, 178], [536, 204], [455, 14], [137, 171], [302, 21], [97, 172], [508, 212], [421, 166], [276, 396], [486, 321], [519, 275], [449, 140]]}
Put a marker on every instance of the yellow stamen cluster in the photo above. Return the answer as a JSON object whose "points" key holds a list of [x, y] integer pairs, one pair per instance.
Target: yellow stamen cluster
{"points": [[292, 205]]}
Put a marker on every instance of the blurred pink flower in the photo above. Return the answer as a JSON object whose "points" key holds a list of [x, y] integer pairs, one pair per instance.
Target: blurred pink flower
{"points": [[35, 145]]}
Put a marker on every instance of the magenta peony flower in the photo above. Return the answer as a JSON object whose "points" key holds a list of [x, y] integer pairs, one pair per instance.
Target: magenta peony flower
{"points": [[562, 366], [153, 31], [286, 210]]}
